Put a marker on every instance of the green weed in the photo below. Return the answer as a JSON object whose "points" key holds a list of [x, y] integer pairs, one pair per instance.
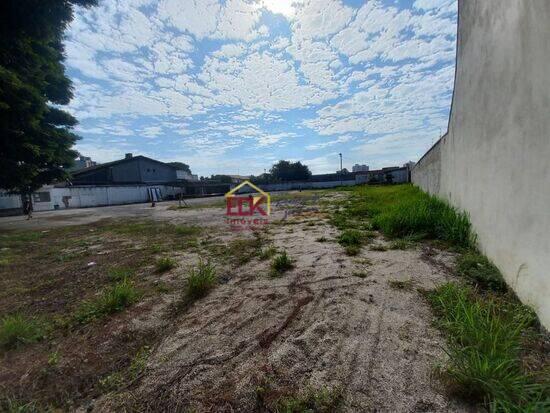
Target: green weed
{"points": [[350, 237], [479, 269], [200, 281], [318, 401], [267, 253], [485, 345], [280, 264], [112, 300], [17, 329], [120, 273], [404, 210], [406, 285], [165, 264], [352, 250], [187, 230], [401, 244]]}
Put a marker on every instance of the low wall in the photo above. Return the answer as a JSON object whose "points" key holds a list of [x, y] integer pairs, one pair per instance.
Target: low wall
{"points": [[494, 162], [51, 198], [427, 172]]}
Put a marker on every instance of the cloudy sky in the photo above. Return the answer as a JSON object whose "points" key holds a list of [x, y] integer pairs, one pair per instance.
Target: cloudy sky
{"points": [[232, 86]]}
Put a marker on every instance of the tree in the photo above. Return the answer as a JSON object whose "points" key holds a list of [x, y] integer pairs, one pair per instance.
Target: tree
{"points": [[35, 136], [290, 171], [181, 166], [224, 179]]}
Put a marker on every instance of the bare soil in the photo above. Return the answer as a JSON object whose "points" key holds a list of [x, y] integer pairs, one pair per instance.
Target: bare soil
{"points": [[356, 325]]}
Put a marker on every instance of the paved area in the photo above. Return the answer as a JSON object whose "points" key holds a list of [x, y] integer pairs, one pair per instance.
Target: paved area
{"points": [[80, 216]]}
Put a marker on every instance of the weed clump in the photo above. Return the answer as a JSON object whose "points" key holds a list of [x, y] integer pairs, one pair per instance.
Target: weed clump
{"points": [[405, 285], [120, 273], [200, 281], [485, 342], [17, 329], [165, 264], [267, 253], [404, 210], [479, 269], [420, 213], [313, 400], [280, 264], [350, 237], [112, 300], [186, 230], [401, 244]]}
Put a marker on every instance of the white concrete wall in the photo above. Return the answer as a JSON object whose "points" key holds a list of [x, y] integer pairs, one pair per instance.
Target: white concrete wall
{"points": [[89, 196], [495, 160]]}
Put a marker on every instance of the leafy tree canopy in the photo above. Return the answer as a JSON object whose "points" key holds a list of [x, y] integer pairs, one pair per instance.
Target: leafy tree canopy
{"points": [[35, 135], [289, 171]]}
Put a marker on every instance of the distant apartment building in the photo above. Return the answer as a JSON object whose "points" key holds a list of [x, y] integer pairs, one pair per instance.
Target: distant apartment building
{"points": [[82, 162], [409, 164], [181, 174], [360, 168]]}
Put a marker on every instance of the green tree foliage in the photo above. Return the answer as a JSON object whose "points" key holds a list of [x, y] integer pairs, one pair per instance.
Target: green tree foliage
{"points": [[290, 171], [224, 179], [35, 135]]}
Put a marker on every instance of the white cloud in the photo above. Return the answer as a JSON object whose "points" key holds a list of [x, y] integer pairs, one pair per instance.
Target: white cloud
{"points": [[197, 17], [341, 139]]}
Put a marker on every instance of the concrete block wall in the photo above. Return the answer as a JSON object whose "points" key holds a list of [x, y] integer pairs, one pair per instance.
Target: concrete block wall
{"points": [[494, 161]]}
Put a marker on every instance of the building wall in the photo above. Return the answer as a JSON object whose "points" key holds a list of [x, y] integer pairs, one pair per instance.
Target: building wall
{"points": [[494, 162], [126, 172], [156, 172]]}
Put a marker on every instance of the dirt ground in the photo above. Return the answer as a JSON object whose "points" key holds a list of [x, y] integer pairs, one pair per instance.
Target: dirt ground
{"points": [[357, 326]]}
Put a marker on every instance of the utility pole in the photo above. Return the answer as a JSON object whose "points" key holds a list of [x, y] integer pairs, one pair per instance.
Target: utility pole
{"points": [[340, 168]]}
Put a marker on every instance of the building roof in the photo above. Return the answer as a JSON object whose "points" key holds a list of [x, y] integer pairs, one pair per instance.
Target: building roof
{"points": [[120, 161]]}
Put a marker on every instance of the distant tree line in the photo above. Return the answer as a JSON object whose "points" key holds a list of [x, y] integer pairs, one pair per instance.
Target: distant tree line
{"points": [[282, 171]]}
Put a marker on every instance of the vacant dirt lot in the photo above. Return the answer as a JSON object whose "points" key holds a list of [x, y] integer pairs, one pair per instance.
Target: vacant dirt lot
{"points": [[351, 333]]}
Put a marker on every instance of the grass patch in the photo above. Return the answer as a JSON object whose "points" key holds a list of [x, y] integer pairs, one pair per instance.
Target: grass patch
{"points": [[120, 273], [280, 264], [352, 250], [17, 329], [165, 264], [200, 281], [378, 247], [112, 300], [485, 346], [318, 401], [239, 251], [404, 210], [350, 237], [267, 253], [406, 285], [481, 271], [12, 405], [351, 240], [187, 230], [401, 244]]}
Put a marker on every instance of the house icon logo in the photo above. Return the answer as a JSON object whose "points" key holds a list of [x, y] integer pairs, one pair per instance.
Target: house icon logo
{"points": [[247, 205]]}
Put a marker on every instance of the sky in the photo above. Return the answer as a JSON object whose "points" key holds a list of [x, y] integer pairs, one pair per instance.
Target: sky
{"points": [[233, 86]]}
